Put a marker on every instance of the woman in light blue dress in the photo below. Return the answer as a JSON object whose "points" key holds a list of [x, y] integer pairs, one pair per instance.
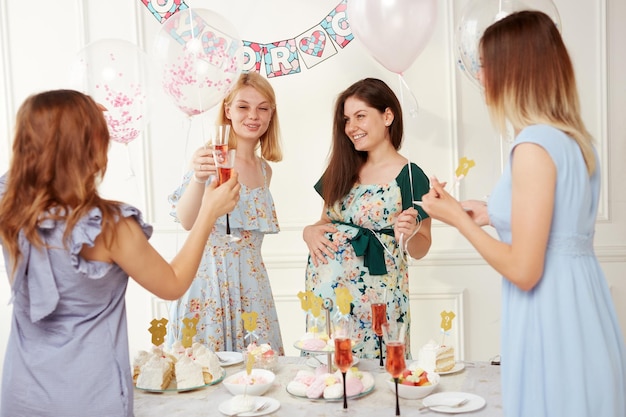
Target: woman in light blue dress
{"points": [[562, 352], [232, 279]]}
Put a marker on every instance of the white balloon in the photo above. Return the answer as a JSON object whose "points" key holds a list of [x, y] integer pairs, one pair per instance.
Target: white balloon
{"points": [[394, 32], [477, 16]]}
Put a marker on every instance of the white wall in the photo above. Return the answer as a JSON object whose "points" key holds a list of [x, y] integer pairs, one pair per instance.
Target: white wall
{"points": [[39, 39]]}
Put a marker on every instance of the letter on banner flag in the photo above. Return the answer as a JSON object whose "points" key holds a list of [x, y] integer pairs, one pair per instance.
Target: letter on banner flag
{"points": [[252, 56], [281, 58], [337, 26], [163, 9]]}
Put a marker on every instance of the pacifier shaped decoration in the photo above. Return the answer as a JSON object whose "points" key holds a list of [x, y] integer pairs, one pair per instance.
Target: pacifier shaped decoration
{"points": [[189, 331], [250, 325], [158, 330], [446, 324]]}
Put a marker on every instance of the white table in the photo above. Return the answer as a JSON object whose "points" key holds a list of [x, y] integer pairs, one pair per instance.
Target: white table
{"points": [[478, 378]]}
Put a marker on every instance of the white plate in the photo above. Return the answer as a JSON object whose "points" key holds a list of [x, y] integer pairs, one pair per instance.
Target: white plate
{"points": [[230, 358], [226, 408], [458, 367], [323, 359], [299, 345], [174, 388], [475, 402]]}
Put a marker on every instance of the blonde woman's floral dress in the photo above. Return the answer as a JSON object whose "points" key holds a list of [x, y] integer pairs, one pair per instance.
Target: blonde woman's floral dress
{"points": [[364, 219], [232, 278]]}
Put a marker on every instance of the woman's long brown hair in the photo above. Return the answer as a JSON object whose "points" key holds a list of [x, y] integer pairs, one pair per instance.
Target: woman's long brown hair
{"points": [[529, 78], [59, 155], [345, 161]]}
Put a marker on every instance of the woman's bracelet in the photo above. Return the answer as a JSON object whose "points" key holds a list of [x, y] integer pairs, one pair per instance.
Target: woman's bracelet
{"points": [[196, 179]]}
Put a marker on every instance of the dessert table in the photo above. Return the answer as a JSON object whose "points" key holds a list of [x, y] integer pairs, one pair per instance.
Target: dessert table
{"points": [[478, 378]]}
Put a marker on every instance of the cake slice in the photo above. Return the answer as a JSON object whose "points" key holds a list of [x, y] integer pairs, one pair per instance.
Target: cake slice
{"points": [[436, 358], [155, 374], [188, 373]]}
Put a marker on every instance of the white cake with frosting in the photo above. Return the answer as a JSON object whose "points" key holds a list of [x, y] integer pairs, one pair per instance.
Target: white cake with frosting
{"points": [[208, 360], [434, 357], [188, 373], [156, 373], [192, 367]]}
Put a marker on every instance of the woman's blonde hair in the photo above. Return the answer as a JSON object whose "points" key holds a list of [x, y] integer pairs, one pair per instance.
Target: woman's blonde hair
{"points": [[59, 155], [270, 140], [529, 78]]}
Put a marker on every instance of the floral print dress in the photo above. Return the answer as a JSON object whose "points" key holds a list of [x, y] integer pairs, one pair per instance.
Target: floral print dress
{"points": [[232, 278], [374, 207]]}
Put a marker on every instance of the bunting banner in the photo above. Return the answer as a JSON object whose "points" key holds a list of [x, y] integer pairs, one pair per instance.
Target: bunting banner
{"points": [[284, 57]]}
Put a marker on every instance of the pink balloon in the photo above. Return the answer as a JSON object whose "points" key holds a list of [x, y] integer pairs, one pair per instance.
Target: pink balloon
{"points": [[394, 32], [200, 57]]}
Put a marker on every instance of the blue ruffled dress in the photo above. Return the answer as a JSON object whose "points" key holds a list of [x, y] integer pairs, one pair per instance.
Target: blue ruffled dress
{"points": [[67, 353]]}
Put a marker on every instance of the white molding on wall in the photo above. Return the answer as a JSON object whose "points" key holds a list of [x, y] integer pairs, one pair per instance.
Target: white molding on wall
{"points": [[453, 109], [81, 21], [7, 77], [145, 137], [456, 296], [604, 214], [440, 258]]}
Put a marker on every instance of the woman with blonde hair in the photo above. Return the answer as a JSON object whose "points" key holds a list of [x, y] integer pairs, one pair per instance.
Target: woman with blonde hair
{"points": [[562, 349], [232, 278]]}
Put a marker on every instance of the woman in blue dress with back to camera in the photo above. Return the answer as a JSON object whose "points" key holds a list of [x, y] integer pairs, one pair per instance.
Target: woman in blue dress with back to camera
{"points": [[562, 348]]}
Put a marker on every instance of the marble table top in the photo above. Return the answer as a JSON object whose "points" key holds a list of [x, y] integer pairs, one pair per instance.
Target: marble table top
{"points": [[479, 378]]}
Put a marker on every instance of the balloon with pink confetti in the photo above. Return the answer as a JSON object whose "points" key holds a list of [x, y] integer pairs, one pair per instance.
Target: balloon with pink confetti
{"points": [[199, 56], [116, 74]]}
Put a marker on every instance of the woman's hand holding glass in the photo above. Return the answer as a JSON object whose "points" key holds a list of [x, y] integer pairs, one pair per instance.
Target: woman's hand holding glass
{"points": [[203, 164], [406, 224], [220, 200]]}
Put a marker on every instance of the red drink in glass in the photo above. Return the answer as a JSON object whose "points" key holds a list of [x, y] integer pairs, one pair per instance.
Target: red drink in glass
{"points": [[223, 175], [222, 148], [379, 317], [395, 359], [343, 354]]}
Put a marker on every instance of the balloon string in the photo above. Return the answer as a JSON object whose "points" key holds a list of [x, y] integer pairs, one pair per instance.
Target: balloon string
{"points": [[414, 109]]}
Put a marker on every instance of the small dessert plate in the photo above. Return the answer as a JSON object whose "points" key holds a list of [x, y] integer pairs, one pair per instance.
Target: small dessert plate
{"points": [[446, 402], [273, 405], [229, 358], [458, 367]]}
